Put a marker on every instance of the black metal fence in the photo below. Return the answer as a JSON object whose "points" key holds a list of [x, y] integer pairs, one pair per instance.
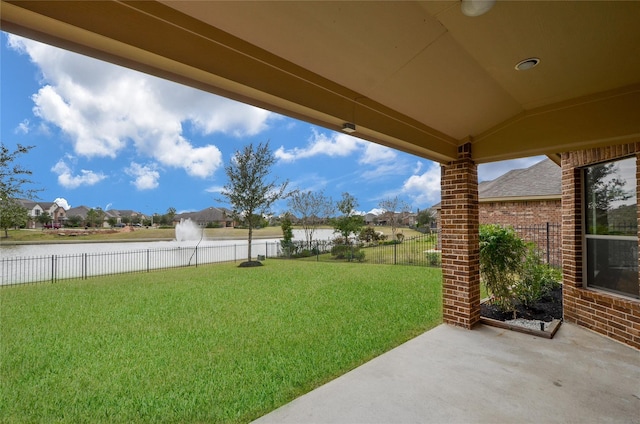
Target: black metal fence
{"points": [[547, 239], [52, 268], [422, 250]]}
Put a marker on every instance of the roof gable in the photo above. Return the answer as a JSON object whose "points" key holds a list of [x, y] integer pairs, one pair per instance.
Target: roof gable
{"points": [[541, 179]]}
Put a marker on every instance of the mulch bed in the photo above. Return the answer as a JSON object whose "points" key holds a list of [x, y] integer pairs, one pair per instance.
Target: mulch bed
{"points": [[547, 309], [541, 319]]}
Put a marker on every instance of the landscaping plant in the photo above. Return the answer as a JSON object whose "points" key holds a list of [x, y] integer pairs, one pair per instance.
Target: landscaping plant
{"points": [[512, 270], [537, 279], [501, 254]]}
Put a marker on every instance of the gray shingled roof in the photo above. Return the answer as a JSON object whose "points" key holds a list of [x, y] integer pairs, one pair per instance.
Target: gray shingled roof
{"points": [[211, 214], [541, 179]]}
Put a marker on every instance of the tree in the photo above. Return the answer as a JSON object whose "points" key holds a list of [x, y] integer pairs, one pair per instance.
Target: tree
{"points": [[287, 235], [14, 180], [74, 220], [312, 208], [425, 218], [349, 222], [171, 213], [12, 214], [44, 218], [249, 190], [394, 210], [95, 217]]}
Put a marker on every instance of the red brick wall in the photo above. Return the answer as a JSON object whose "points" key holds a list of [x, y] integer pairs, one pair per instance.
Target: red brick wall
{"points": [[521, 213], [612, 315], [460, 242]]}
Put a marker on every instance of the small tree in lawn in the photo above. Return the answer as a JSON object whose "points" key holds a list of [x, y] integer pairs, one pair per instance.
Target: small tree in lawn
{"points": [[312, 208], [14, 180], [394, 211], [349, 222], [249, 191], [12, 214]]}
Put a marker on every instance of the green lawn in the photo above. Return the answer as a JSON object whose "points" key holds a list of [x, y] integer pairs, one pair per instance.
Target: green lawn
{"points": [[207, 344]]}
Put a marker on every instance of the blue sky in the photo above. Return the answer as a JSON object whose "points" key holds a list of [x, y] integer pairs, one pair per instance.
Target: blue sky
{"points": [[109, 137]]}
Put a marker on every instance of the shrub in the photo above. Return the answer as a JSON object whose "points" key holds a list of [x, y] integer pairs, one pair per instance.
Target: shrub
{"points": [[369, 235], [433, 259], [305, 253], [356, 254], [344, 251], [536, 279], [501, 259], [340, 251]]}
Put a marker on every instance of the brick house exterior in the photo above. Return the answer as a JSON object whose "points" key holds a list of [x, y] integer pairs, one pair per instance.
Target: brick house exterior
{"points": [[521, 197], [613, 315]]}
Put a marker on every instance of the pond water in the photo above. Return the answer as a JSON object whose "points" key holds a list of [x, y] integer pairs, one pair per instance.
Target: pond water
{"points": [[29, 250], [44, 262]]}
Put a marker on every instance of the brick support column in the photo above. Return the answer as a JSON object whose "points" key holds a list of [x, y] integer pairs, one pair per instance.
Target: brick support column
{"points": [[460, 241]]}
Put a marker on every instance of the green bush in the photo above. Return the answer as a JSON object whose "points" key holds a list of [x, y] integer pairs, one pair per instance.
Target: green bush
{"points": [[305, 253], [345, 251], [512, 270], [433, 259], [501, 260], [536, 279]]}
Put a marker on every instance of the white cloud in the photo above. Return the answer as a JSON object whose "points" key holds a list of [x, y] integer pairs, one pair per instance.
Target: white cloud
{"points": [[145, 176], [62, 202], [418, 167], [102, 108], [375, 153], [215, 189], [424, 189], [67, 180], [23, 127], [332, 145]]}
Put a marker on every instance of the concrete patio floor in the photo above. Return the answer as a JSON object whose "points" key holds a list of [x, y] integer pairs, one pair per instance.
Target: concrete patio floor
{"points": [[487, 375]]}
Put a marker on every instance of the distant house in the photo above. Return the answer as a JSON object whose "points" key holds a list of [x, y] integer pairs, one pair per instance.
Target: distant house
{"points": [[36, 209], [118, 214], [81, 211], [219, 217]]}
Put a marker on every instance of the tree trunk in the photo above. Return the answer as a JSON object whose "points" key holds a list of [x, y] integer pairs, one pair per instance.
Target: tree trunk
{"points": [[249, 246]]}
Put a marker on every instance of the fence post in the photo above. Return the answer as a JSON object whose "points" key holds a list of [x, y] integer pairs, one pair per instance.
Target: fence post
{"points": [[53, 268], [548, 249], [395, 248], [85, 272], [148, 260], [196, 256], [266, 249]]}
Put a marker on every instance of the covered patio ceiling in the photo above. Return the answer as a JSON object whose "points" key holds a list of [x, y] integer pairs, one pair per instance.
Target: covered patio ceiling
{"points": [[418, 76]]}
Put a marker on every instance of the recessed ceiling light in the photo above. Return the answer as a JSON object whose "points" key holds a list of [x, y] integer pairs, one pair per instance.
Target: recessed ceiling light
{"points": [[527, 64], [475, 8]]}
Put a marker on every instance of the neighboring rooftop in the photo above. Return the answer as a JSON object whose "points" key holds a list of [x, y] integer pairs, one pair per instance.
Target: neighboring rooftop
{"points": [[540, 180]]}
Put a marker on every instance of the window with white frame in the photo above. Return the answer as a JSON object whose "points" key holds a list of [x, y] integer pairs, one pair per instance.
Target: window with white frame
{"points": [[611, 227]]}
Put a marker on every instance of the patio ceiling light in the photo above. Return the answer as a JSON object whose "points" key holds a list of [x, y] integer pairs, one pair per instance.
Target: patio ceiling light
{"points": [[348, 127], [474, 8]]}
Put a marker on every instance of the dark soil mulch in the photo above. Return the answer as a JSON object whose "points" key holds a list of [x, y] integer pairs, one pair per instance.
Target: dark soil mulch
{"points": [[546, 309], [249, 264]]}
